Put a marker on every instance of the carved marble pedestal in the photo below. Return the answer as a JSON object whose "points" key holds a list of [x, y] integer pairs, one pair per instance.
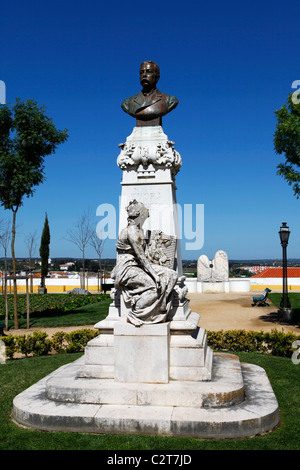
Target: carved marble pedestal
{"points": [[173, 351], [150, 163]]}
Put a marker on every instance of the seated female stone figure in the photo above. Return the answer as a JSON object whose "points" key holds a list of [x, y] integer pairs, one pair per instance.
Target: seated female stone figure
{"points": [[146, 288]]}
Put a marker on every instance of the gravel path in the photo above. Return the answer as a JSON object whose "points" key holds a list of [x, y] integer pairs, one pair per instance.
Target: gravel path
{"points": [[234, 311]]}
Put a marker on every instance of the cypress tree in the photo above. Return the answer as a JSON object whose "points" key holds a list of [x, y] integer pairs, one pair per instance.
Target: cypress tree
{"points": [[44, 252]]}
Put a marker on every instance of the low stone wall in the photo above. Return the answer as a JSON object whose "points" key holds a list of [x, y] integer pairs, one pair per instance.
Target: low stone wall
{"points": [[274, 283], [55, 285], [232, 285], [195, 286]]}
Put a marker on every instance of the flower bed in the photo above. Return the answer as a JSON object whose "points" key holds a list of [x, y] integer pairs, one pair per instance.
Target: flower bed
{"points": [[41, 303]]}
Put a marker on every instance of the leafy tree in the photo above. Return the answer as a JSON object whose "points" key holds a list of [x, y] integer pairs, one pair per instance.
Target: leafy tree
{"points": [[287, 141], [27, 136], [45, 251]]}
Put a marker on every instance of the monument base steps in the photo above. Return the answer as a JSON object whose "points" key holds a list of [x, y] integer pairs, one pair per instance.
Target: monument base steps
{"points": [[155, 379], [244, 406]]}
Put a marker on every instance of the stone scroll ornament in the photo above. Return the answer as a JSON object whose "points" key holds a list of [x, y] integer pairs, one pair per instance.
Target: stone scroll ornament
{"points": [[161, 155], [146, 286]]}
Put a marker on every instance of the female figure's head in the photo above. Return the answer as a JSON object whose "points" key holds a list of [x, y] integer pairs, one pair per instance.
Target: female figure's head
{"points": [[137, 212]]}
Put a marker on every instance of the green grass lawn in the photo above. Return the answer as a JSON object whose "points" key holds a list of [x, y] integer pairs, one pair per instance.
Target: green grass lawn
{"points": [[17, 375], [294, 300]]}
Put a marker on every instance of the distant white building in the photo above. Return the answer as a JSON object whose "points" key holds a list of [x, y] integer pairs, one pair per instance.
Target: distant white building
{"points": [[255, 269], [40, 263], [66, 266]]}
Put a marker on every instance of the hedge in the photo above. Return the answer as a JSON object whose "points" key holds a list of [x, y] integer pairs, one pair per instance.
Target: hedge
{"points": [[275, 342], [38, 343]]}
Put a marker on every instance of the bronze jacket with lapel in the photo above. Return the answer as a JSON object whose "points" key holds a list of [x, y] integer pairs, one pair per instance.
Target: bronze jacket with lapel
{"points": [[151, 106]]}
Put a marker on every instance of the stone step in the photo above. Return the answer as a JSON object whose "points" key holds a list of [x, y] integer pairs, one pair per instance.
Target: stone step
{"points": [[189, 356], [200, 366], [256, 414], [225, 389]]}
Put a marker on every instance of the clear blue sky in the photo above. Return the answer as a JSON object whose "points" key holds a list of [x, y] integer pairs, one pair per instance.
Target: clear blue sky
{"points": [[231, 65]]}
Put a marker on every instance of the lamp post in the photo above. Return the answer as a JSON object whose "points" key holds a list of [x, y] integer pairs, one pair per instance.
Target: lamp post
{"points": [[285, 312]]}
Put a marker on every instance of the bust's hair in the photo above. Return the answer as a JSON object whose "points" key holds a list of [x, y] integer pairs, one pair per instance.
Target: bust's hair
{"points": [[156, 67], [133, 209]]}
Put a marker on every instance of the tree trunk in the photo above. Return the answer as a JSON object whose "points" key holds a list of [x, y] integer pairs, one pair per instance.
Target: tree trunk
{"points": [[16, 321], [6, 304], [31, 280], [5, 289], [27, 303], [83, 270]]}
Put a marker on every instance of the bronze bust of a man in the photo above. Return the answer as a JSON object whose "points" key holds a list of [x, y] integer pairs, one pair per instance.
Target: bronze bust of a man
{"points": [[150, 104]]}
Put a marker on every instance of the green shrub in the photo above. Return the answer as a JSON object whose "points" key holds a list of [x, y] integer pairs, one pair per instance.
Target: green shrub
{"points": [[280, 343], [23, 345], [237, 340], [58, 341], [77, 340], [10, 345], [276, 343], [38, 343]]}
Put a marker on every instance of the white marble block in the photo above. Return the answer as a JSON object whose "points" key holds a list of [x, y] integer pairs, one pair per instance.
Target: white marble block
{"points": [[142, 353]]}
